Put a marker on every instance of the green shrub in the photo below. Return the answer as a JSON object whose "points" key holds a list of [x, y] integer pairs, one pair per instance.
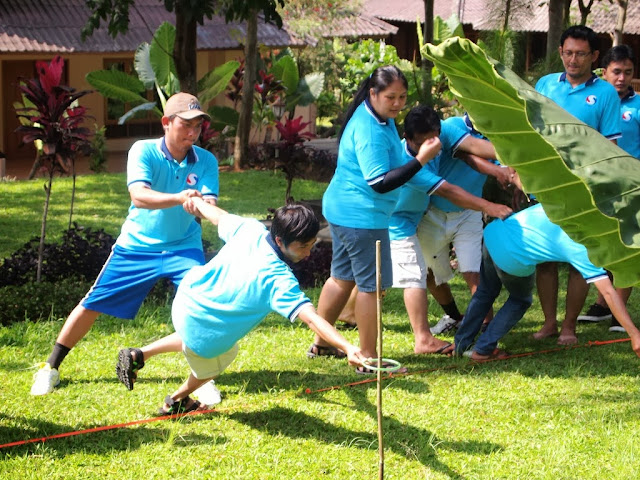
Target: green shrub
{"points": [[40, 301]]}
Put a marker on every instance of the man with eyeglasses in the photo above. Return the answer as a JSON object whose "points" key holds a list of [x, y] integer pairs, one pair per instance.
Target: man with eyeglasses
{"points": [[595, 102]]}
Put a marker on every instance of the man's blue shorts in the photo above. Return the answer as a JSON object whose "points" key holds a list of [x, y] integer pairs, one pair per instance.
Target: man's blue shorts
{"points": [[127, 277], [354, 256]]}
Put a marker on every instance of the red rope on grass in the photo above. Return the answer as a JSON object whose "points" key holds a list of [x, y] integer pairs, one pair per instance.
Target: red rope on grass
{"points": [[307, 391]]}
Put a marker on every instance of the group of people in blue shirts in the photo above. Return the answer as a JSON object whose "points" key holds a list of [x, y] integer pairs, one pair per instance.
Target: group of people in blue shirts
{"points": [[416, 196]]}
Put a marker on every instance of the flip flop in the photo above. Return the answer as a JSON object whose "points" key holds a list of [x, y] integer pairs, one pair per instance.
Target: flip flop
{"points": [[497, 354], [445, 350], [316, 350]]}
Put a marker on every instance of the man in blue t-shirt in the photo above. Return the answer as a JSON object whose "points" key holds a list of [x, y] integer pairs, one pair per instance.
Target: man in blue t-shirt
{"points": [[446, 222], [512, 249], [159, 239], [595, 102], [618, 66], [409, 267], [219, 303]]}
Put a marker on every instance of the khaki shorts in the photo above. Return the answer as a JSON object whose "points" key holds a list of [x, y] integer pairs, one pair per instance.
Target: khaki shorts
{"points": [[409, 268], [438, 229], [204, 368]]}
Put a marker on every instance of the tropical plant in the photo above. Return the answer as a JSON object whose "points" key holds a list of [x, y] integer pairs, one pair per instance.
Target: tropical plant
{"points": [[587, 185], [156, 71], [290, 150], [50, 118], [98, 158]]}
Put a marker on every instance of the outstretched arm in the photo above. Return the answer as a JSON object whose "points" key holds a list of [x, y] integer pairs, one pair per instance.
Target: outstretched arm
{"points": [[328, 332], [464, 199], [504, 175], [201, 208], [619, 310]]}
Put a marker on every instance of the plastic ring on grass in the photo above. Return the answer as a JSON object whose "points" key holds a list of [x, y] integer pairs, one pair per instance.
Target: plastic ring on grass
{"points": [[392, 365]]}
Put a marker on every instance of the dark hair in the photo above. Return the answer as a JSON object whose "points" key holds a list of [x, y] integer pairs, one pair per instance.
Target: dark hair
{"points": [[581, 32], [619, 53], [421, 119], [294, 221], [379, 80]]}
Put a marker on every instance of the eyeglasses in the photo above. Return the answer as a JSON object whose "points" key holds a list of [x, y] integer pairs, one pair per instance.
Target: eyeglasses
{"points": [[569, 54]]}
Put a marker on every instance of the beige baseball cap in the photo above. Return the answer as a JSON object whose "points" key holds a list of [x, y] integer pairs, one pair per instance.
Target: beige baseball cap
{"points": [[184, 105]]}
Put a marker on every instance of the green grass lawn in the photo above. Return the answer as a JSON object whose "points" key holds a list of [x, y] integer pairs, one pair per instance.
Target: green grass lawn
{"points": [[565, 414]]}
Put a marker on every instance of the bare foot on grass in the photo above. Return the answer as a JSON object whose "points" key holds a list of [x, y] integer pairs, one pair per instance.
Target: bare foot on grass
{"points": [[567, 338], [433, 345], [546, 331]]}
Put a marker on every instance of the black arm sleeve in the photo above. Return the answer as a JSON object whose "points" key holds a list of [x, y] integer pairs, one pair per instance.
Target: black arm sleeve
{"points": [[397, 177]]}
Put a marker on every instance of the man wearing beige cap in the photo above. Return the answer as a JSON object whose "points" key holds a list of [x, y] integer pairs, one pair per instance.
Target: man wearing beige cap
{"points": [[159, 238]]}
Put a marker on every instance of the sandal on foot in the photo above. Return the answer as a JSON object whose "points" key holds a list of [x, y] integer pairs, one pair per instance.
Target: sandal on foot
{"points": [[497, 354], [447, 349], [362, 370], [127, 368], [316, 350], [186, 405]]}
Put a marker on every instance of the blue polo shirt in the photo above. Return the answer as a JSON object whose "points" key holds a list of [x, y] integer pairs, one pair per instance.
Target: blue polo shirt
{"points": [[594, 102], [527, 238], [166, 229], [415, 194], [456, 171], [630, 121], [369, 148], [217, 304]]}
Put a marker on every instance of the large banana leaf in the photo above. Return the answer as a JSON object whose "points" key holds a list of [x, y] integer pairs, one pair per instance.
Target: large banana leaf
{"points": [[215, 82], [143, 66], [161, 54], [117, 85], [587, 185], [286, 70]]}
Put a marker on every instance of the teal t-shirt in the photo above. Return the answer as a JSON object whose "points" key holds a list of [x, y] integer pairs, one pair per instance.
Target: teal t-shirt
{"points": [[219, 303], [166, 229], [527, 238], [369, 148]]}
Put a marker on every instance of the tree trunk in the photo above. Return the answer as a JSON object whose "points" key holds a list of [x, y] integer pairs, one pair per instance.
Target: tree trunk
{"points": [[585, 10], [246, 107], [556, 26], [73, 191], [426, 64], [184, 51], [622, 18], [43, 227]]}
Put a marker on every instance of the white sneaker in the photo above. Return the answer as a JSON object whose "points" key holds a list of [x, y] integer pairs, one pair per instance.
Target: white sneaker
{"points": [[208, 394], [445, 324], [45, 380]]}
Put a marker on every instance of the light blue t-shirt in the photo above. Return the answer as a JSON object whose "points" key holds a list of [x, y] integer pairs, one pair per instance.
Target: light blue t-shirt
{"points": [[527, 238], [166, 229], [219, 303], [415, 194], [630, 109], [456, 171], [369, 148], [594, 102]]}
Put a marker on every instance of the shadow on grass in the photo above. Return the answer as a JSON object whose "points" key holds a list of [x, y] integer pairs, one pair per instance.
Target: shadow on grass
{"points": [[117, 439], [397, 436]]}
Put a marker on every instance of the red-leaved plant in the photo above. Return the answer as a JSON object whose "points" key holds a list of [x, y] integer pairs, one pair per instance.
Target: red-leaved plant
{"points": [[50, 120], [290, 148]]}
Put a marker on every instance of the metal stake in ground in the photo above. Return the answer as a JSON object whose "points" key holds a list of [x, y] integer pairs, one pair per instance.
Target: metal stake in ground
{"points": [[379, 373]]}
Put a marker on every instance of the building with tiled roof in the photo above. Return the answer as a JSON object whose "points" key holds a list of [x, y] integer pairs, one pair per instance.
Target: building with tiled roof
{"points": [[33, 30], [528, 16]]}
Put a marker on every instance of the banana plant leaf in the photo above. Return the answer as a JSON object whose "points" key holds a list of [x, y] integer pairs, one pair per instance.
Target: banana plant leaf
{"points": [[215, 82], [161, 55], [586, 184], [143, 66], [117, 85]]}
